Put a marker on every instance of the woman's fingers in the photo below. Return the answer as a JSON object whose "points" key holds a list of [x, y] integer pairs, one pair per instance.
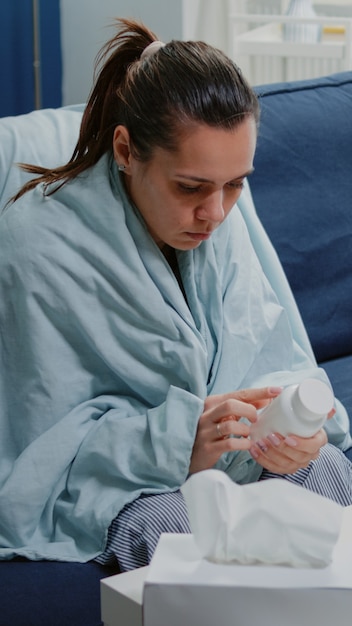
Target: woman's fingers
{"points": [[257, 397], [209, 445], [230, 409], [242, 403], [220, 427], [331, 413], [286, 455], [228, 427]]}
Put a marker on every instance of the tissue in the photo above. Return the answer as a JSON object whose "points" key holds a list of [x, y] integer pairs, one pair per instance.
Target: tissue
{"points": [[272, 522]]}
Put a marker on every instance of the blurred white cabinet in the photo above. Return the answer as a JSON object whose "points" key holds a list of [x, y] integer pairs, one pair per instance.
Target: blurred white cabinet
{"points": [[266, 56]]}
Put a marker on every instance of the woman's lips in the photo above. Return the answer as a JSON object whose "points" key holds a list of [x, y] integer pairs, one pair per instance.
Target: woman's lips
{"points": [[199, 236]]}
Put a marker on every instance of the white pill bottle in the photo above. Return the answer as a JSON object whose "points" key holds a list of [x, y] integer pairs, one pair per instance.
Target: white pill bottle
{"points": [[299, 410]]}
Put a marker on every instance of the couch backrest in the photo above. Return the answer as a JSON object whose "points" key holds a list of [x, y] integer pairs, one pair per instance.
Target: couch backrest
{"points": [[302, 189], [46, 137]]}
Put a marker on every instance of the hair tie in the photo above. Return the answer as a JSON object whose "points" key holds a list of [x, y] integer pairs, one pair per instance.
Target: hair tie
{"points": [[151, 49]]}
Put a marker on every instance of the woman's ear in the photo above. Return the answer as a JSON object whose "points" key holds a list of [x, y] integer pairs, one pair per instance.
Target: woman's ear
{"points": [[121, 147]]}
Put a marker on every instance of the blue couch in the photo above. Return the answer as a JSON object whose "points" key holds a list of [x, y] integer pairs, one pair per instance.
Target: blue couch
{"points": [[302, 189]]}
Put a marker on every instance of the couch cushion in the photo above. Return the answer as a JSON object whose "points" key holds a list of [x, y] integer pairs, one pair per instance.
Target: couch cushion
{"points": [[340, 375], [35, 593], [302, 189]]}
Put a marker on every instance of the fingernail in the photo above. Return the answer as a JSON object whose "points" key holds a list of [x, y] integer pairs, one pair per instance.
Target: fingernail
{"points": [[274, 439], [262, 445], [289, 441], [254, 452], [274, 391]]}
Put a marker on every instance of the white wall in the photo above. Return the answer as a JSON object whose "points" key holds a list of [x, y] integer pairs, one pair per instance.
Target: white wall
{"points": [[208, 20], [85, 28]]}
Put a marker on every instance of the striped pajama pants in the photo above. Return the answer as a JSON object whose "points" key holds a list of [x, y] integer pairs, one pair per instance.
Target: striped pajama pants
{"points": [[133, 535]]}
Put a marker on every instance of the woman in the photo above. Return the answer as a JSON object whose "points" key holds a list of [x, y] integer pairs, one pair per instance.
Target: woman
{"points": [[140, 327]]}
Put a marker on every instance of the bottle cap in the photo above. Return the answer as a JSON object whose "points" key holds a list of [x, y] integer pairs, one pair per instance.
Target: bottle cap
{"points": [[313, 397]]}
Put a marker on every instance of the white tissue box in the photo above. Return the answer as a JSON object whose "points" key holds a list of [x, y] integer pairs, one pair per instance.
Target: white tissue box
{"points": [[181, 589], [121, 598]]}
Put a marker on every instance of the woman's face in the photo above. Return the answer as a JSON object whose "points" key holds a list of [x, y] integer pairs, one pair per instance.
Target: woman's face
{"points": [[185, 195]]}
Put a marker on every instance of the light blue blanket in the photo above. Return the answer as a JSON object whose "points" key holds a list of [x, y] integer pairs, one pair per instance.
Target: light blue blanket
{"points": [[104, 367]]}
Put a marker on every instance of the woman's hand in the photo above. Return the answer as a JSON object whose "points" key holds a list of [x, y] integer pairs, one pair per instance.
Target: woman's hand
{"points": [[286, 455], [221, 418]]}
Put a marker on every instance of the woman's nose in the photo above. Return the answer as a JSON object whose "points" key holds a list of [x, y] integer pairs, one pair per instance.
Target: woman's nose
{"points": [[212, 208]]}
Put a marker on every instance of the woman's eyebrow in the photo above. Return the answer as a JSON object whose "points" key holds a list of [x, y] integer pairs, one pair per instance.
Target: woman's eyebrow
{"points": [[200, 179]]}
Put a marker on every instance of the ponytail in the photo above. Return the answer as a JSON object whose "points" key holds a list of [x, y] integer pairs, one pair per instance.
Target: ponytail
{"points": [[100, 114]]}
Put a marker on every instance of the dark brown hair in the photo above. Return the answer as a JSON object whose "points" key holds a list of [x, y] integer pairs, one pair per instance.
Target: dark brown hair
{"points": [[183, 82]]}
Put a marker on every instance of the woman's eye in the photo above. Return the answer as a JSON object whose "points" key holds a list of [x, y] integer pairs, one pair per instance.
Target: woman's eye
{"points": [[236, 185], [193, 189], [189, 188]]}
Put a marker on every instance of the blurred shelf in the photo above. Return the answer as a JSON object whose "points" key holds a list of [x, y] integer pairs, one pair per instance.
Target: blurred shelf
{"points": [[269, 39]]}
